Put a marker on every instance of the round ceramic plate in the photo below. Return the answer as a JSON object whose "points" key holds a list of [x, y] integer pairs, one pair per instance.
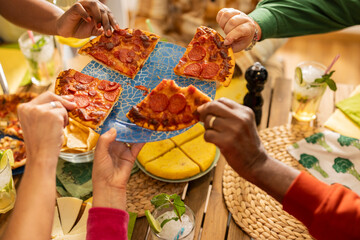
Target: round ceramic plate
{"points": [[217, 156], [159, 66]]}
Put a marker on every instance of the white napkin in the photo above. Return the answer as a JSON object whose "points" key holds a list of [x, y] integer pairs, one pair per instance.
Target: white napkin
{"points": [[338, 158]]}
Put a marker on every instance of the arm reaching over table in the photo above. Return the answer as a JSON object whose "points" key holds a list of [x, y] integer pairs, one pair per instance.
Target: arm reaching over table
{"points": [[42, 121], [83, 19], [330, 212], [286, 18], [113, 162]]}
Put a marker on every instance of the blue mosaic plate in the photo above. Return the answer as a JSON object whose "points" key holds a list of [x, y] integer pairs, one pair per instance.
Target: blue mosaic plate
{"points": [[160, 65]]}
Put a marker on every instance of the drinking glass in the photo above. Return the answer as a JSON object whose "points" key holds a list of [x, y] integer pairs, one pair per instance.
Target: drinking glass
{"points": [[307, 93], [7, 188], [41, 56], [181, 230]]}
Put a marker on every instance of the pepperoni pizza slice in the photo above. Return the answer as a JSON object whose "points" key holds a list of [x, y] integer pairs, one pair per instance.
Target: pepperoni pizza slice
{"points": [[94, 98], [207, 58], [126, 51], [9, 122], [168, 107]]}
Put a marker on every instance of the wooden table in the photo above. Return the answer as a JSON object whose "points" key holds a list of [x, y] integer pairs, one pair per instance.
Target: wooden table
{"points": [[204, 195]]}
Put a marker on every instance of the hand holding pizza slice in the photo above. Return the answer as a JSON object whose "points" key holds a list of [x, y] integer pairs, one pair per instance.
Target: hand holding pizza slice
{"points": [[168, 107], [207, 58], [94, 98]]}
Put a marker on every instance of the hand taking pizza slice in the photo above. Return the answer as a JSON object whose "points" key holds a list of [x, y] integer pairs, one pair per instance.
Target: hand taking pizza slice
{"points": [[207, 58], [168, 107], [126, 51], [95, 98]]}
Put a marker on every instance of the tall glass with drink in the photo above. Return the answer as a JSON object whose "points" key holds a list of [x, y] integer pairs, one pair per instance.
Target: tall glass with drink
{"points": [[307, 93], [179, 230], [42, 58], [7, 188]]}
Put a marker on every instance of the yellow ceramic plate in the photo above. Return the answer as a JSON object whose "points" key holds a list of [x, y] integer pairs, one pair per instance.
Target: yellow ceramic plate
{"points": [[217, 156]]}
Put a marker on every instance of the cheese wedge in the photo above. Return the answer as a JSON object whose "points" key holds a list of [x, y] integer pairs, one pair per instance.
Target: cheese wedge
{"points": [[189, 134], [152, 150], [173, 165], [200, 151], [56, 227], [69, 208], [80, 226]]}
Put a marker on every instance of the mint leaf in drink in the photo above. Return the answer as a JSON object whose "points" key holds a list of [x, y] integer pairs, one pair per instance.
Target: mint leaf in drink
{"points": [[173, 200], [160, 199], [327, 79], [168, 220], [36, 47]]}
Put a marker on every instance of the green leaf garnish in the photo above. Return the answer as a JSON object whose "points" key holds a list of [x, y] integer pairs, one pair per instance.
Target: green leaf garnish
{"points": [[36, 47], [173, 200], [327, 79]]}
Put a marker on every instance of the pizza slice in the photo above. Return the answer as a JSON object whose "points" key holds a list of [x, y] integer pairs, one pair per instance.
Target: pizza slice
{"points": [[18, 149], [168, 107], [9, 122], [126, 51], [95, 98], [207, 58]]}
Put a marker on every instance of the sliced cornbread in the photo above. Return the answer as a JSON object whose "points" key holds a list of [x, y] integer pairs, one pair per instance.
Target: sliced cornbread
{"points": [[200, 151], [189, 134], [173, 165], [152, 150]]}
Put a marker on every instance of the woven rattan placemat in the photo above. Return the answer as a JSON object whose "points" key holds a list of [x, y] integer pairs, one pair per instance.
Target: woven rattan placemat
{"points": [[141, 188], [258, 214]]}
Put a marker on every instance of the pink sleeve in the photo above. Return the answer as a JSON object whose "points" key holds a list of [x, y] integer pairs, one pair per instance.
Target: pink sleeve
{"points": [[107, 224], [328, 211]]}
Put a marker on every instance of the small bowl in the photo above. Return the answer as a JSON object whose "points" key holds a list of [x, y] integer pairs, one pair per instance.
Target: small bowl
{"points": [[78, 157]]}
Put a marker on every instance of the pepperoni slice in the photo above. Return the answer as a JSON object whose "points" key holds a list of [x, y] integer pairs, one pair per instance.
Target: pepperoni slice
{"points": [[102, 85], [126, 55], [177, 103], [81, 101], [111, 86], [92, 93], [193, 69], [121, 32], [111, 96], [82, 78], [101, 57], [71, 89], [210, 70], [197, 53], [158, 102]]}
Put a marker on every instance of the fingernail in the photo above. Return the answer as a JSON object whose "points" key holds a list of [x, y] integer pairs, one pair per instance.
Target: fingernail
{"points": [[117, 27], [98, 25], [227, 42], [200, 108], [108, 32], [88, 19], [69, 97], [112, 131]]}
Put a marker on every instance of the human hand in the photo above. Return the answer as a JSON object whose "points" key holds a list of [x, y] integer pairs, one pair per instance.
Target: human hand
{"points": [[234, 132], [111, 171], [86, 18], [238, 27], [42, 124]]}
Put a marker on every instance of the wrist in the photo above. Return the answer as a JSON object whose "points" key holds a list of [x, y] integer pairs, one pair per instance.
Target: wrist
{"points": [[256, 37], [109, 197]]}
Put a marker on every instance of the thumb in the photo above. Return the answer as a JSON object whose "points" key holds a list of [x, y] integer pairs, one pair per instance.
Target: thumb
{"points": [[105, 140]]}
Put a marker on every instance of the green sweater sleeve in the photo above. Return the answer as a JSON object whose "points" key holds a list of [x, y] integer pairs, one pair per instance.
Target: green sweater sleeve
{"points": [[288, 18]]}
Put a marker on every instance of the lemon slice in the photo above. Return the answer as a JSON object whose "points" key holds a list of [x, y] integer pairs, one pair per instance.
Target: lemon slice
{"points": [[72, 42], [7, 156], [153, 223], [298, 75]]}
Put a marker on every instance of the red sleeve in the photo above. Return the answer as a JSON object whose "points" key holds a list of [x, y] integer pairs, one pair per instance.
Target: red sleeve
{"points": [[328, 211], [107, 224]]}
